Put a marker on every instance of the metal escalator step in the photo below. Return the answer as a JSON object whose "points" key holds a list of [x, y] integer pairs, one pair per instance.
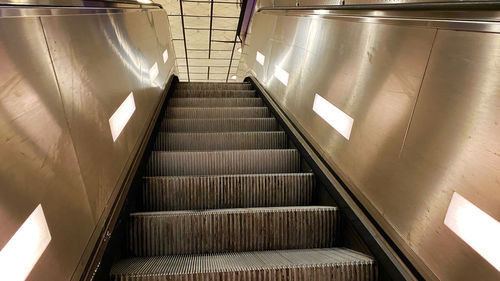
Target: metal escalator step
{"points": [[216, 112], [232, 230], [269, 161], [334, 264], [229, 191], [220, 125], [210, 102], [214, 94], [220, 141], [205, 85]]}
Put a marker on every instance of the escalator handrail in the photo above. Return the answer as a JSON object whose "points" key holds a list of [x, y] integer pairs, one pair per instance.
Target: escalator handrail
{"points": [[80, 4]]}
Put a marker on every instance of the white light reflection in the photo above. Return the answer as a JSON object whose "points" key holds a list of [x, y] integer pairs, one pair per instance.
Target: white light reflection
{"points": [[260, 58], [475, 227], [281, 74], [121, 116], [333, 116], [25, 248], [233, 77], [165, 56], [239, 50], [153, 72], [145, 1], [321, 12]]}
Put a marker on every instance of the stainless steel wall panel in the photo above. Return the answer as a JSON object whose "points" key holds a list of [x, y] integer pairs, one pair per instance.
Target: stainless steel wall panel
{"points": [[38, 162], [63, 76], [285, 3], [414, 141], [453, 145], [260, 44], [373, 2], [97, 69], [164, 42], [319, 2]]}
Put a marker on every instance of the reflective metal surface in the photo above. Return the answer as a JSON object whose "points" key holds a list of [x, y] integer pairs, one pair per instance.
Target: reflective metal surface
{"points": [[425, 109], [62, 79], [39, 164], [78, 3], [340, 4], [360, 2]]}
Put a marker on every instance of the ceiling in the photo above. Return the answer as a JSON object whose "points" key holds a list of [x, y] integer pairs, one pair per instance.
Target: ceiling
{"points": [[204, 37]]}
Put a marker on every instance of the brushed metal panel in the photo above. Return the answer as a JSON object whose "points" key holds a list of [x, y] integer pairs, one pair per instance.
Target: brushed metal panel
{"points": [[39, 164], [319, 2], [99, 60], [374, 72], [372, 2], [286, 3], [453, 145]]}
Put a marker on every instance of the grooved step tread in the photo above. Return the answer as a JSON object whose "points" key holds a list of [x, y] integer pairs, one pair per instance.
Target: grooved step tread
{"points": [[217, 112], [334, 264], [220, 125], [229, 191], [269, 161], [214, 94], [205, 85], [220, 141], [211, 102], [232, 230]]}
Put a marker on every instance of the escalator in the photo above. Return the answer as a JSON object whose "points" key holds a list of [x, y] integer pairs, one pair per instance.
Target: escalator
{"points": [[226, 196]]}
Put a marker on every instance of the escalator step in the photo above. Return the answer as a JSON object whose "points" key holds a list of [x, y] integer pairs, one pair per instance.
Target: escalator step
{"points": [[210, 102], [217, 112], [220, 125], [270, 161], [220, 141], [219, 192], [335, 264], [214, 94], [232, 230], [214, 86]]}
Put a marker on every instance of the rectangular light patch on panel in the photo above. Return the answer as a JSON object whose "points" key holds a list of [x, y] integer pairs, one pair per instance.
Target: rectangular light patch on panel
{"points": [[25, 248], [260, 58], [475, 227], [281, 74], [165, 56], [153, 72], [335, 117], [121, 116]]}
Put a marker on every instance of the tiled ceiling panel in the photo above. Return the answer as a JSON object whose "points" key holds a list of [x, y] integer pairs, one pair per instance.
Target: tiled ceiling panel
{"points": [[197, 22], [225, 23], [175, 27], [205, 41]]}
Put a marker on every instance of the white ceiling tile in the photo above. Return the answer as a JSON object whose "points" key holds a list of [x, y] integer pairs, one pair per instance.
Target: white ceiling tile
{"points": [[209, 62], [221, 54], [171, 6], [203, 69], [197, 22], [175, 27], [227, 9], [196, 76], [222, 46], [197, 9], [223, 35], [219, 76], [197, 54], [225, 23]]}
